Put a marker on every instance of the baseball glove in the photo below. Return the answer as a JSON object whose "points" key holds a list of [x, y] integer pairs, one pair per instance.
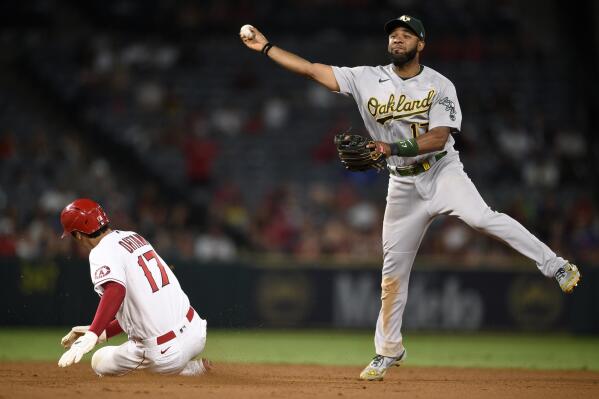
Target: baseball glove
{"points": [[355, 154]]}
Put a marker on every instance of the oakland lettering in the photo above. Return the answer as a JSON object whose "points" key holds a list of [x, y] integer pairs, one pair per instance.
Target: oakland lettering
{"points": [[391, 109]]}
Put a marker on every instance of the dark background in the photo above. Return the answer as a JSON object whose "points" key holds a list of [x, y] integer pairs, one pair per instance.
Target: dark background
{"points": [[217, 156]]}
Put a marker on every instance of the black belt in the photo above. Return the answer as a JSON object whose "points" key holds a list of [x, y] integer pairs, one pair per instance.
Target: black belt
{"points": [[414, 169]]}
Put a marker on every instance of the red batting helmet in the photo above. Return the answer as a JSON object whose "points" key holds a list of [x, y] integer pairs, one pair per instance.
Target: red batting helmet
{"points": [[83, 215]]}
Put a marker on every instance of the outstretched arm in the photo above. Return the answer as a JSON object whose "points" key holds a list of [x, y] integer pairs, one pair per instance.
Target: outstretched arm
{"points": [[320, 73]]}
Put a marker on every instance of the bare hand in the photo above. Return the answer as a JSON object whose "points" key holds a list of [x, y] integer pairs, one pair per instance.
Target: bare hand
{"points": [[257, 42], [379, 146]]}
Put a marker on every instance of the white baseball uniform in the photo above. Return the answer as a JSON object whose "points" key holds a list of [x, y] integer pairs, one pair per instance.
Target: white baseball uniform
{"points": [[395, 109], [164, 331]]}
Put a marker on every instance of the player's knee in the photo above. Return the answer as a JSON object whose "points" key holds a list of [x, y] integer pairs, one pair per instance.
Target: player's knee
{"points": [[398, 265], [477, 223], [97, 361], [390, 285], [101, 361], [480, 220]]}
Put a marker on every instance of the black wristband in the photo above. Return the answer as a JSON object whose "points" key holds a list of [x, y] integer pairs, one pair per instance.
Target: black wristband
{"points": [[394, 148], [266, 48]]}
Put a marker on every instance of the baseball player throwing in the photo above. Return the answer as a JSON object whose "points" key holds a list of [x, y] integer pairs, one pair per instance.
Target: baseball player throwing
{"points": [[411, 111], [140, 295]]}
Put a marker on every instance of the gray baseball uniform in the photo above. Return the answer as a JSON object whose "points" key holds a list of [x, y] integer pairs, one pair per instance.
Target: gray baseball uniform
{"points": [[394, 109]]}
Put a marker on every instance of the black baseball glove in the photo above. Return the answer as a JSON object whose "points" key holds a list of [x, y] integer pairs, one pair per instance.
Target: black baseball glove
{"points": [[355, 154]]}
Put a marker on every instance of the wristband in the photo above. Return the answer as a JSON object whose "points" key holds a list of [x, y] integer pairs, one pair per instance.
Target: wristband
{"points": [[405, 148], [266, 48]]}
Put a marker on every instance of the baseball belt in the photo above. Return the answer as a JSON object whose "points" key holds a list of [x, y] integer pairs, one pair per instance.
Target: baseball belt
{"points": [[171, 334], [414, 169]]}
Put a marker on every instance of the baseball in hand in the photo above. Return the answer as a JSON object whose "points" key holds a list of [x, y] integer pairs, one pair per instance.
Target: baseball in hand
{"points": [[246, 32]]}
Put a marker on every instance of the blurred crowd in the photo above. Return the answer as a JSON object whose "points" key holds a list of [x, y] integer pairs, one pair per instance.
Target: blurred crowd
{"points": [[310, 222], [214, 154]]}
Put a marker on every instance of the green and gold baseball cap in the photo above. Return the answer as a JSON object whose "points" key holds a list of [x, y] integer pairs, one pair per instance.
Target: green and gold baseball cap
{"points": [[413, 24]]}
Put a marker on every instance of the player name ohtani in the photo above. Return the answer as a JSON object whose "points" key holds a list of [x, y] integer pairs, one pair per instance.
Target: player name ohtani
{"points": [[382, 112], [133, 242]]}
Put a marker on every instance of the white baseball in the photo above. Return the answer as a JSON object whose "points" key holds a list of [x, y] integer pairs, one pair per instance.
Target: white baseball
{"points": [[246, 32]]}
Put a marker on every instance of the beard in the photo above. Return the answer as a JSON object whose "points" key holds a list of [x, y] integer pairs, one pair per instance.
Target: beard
{"points": [[400, 60]]}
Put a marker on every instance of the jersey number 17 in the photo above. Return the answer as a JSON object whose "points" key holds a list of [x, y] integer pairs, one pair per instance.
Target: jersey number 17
{"points": [[142, 263], [417, 127]]}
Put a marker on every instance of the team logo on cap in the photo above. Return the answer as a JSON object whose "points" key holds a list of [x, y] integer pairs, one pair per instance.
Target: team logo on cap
{"points": [[405, 18], [102, 272]]}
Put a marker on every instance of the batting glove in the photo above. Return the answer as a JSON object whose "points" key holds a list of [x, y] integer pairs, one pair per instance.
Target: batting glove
{"points": [[84, 344], [75, 333]]}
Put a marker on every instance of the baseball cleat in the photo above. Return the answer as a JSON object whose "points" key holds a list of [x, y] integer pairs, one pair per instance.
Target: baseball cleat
{"points": [[376, 369], [206, 365], [567, 277], [197, 367]]}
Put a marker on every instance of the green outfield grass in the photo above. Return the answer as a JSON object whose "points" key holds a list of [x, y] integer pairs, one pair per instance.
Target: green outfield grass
{"points": [[352, 348]]}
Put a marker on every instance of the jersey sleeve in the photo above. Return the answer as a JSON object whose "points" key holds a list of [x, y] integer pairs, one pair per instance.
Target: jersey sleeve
{"points": [[109, 305], [445, 110], [106, 267], [346, 79]]}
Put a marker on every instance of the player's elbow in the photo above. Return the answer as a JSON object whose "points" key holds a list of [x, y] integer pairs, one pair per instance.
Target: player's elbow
{"points": [[439, 139], [312, 71], [440, 145], [311, 75], [323, 74]]}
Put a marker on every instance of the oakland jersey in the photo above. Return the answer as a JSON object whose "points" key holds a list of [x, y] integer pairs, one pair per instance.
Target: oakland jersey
{"points": [[395, 109]]}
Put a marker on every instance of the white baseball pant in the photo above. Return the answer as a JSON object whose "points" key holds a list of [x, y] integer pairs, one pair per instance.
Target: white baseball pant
{"points": [[412, 204], [171, 353]]}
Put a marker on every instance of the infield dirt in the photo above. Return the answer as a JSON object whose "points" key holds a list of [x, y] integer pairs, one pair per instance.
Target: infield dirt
{"points": [[228, 380]]}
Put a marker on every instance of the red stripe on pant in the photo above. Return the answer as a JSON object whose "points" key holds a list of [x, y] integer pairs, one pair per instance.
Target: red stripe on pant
{"points": [[170, 335]]}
